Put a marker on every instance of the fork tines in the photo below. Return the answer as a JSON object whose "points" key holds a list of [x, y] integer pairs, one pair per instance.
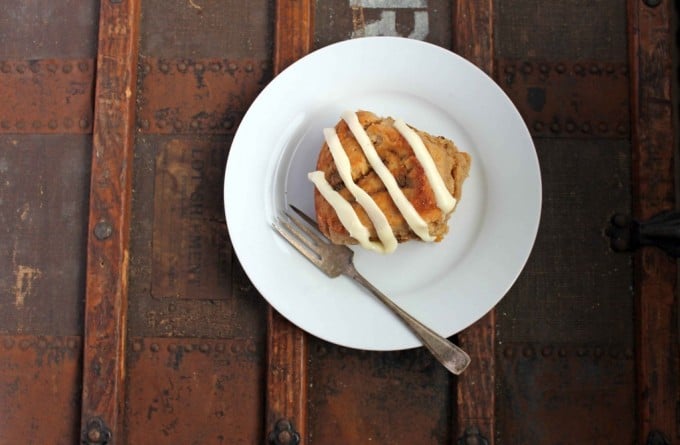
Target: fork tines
{"points": [[300, 235]]}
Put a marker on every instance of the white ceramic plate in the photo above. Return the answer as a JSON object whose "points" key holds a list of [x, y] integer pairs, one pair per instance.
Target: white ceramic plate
{"points": [[447, 285]]}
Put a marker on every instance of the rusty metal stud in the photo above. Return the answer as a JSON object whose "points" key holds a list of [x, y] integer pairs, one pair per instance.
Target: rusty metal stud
{"points": [[24, 344], [21, 124], [249, 68], [9, 343], [103, 230], [509, 69], [199, 67], [83, 66], [610, 69], [42, 344], [232, 67], [172, 307], [562, 352], [5, 68], [544, 68], [67, 68], [219, 347], [164, 67], [560, 68], [603, 127], [570, 127], [528, 352], [182, 67], [34, 67], [621, 128], [472, 436], [598, 352], [538, 126], [508, 352], [283, 434], [578, 69], [215, 67], [37, 124], [228, 124], [527, 68], [154, 347], [652, 3], [20, 68], [204, 347], [581, 352], [236, 348], [177, 125], [52, 124], [594, 69], [172, 348], [96, 432], [547, 351], [586, 127], [71, 344], [137, 346], [52, 68], [194, 124], [188, 348], [68, 122], [555, 127], [83, 123], [5, 124], [161, 123], [144, 124]]}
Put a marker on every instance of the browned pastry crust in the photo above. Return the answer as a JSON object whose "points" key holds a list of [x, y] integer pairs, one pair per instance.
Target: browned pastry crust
{"points": [[398, 156]]}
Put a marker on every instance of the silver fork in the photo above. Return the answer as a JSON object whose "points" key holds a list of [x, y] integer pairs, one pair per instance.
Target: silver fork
{"points": [[335, 260]]}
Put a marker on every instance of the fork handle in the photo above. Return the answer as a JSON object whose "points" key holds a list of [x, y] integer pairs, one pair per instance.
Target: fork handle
{"points": [[451, 356]]}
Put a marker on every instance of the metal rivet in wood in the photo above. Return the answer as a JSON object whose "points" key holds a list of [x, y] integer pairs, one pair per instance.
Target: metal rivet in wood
{"points": [[103, 230]]}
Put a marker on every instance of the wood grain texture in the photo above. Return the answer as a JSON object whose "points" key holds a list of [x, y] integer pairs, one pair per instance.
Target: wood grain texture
{"points": [[475, 389], [110, 188], [651, 37], [287, 344]]}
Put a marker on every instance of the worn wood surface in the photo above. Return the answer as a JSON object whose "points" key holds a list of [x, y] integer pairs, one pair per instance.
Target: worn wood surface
{"points": [[109, 222], [585, 333], [286, 414], [651, 40], [473, 38]]}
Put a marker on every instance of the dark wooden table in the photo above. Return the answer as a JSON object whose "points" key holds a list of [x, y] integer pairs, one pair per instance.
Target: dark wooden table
{"points": [[125, 316]]}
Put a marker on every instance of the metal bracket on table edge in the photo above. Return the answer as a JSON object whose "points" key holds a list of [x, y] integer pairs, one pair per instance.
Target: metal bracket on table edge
{"points": [[283, 434], [472, 436], [96, 432], [663, 231], [657, 438]]}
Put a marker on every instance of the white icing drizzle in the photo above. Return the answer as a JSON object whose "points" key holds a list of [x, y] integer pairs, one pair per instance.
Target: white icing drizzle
{"points": [[348, 217], [375, 214], [445, 201], [413, 219]]}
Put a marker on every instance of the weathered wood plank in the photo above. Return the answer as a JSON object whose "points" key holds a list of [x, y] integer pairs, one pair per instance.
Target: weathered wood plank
{"points": [[651, 35], [107, 252], [473, 39], [287, 344]]}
